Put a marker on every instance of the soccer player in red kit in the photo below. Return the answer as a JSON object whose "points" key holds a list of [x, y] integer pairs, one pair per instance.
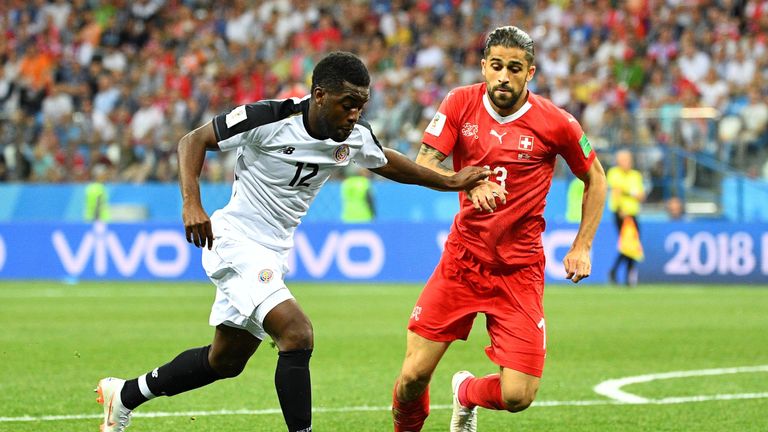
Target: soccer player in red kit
{"points": [[493, 262]]}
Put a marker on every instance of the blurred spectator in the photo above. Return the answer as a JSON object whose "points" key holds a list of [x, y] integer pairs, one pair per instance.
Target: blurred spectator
{"points": [[740, 69], [693, 63], [716, 90], [96, 195], [574, 200], [755, 119], [146, 119], [57, 105], [675, 209], [357, 204]]}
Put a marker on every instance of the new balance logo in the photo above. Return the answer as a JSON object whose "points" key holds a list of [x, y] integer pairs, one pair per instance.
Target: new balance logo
{"points": [[496, 134], [286, 150]]}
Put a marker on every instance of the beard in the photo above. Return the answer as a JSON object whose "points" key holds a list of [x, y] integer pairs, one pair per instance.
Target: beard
{"points": [[507, 100]]}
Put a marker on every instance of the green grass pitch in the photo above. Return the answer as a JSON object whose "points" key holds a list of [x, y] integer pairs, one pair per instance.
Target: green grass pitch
{"points": [[57, 340]]}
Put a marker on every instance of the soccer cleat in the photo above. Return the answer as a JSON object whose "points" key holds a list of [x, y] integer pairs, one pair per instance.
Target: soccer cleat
{"points": [[116, 416], [463, 419]]}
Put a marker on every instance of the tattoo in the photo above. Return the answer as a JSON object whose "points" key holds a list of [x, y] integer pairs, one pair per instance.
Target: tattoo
{"points": [[431, 153], [431, 158]]}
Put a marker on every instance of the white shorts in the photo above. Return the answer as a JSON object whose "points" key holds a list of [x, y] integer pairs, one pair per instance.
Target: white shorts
{"points": [[249, 283]]}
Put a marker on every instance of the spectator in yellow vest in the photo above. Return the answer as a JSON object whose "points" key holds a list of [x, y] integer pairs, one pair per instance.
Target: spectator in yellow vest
{"points": [[357, 199], [97, 197], [573, 200], [626, 195]]}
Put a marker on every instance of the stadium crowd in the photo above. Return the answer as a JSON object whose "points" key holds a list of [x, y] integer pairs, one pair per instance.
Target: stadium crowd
{"points": [[89, 85]]}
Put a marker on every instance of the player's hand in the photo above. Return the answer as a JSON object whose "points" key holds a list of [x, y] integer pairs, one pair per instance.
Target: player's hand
{"points": [[197, 225], [485, 194], [467, 178], [577, 264]]}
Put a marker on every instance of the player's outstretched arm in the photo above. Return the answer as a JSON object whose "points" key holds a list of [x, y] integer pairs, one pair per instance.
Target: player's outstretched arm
{"points": [[483, 195], [403, 170], [577, 262], [191, 155]]}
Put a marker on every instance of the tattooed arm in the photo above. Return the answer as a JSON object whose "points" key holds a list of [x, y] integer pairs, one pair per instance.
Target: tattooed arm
{"points": [[430, 157]]}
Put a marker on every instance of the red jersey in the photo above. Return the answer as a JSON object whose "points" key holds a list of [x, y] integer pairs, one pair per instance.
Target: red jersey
{"points": [[521, 150]]}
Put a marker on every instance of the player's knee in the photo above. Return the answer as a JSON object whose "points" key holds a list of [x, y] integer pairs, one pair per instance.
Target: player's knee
{"points": [[413, 382], [227, 366], [517, 400], [298, 336]]}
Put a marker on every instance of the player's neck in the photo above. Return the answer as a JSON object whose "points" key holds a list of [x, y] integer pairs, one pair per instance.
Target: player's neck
{"points": [[311, 122]]}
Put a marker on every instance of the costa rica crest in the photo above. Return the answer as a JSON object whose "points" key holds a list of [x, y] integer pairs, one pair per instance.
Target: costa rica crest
{"points": [[342, 153], [266, 275]]}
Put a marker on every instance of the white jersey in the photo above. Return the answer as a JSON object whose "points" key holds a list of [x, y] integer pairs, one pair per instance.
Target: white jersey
{"points": [[280, 168]]}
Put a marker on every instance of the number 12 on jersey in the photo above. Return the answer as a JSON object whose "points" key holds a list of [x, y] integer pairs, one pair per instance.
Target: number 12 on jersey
{"points": [[299, 168]]}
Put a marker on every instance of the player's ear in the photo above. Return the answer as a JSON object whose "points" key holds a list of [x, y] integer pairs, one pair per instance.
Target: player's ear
{"points": [[531, 72], [482, 66], [318, 94]]}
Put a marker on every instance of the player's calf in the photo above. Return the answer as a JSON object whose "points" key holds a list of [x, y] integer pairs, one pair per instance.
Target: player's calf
{"points": [[409, 415]]}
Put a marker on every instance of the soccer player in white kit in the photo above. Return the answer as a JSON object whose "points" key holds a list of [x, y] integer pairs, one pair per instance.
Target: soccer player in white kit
{"points": [[286, 150]]}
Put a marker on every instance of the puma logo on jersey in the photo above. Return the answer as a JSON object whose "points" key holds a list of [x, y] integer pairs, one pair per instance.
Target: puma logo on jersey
{"points": [[496, 134]]}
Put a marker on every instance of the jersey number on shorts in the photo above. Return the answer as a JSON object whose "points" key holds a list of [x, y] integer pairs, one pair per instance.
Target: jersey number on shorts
{"points": [[299, 168]]}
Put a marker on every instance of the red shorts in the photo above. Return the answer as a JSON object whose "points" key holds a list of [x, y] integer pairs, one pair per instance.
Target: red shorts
{"points": [[511, 298]]}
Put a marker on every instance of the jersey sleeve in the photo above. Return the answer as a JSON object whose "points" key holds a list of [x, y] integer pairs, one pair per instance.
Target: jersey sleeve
{"points": [[243, 125], [574, 146], [443, 130], [371, 155]]}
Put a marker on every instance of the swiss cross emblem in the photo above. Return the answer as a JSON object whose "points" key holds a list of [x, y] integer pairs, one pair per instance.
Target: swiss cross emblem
{"points": [[469, 129], [526, 143]]}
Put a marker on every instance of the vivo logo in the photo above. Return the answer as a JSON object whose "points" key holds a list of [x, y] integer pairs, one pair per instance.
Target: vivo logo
{"points": [[102, 246], [336, 248]]}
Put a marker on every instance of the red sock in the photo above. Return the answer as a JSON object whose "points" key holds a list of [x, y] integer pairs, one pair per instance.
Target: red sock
{"points": [[410, 416], [484, 392]]}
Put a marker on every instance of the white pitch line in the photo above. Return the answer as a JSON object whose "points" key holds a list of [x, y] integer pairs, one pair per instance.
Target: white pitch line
{"points": [[269, 411], [707, 398], [364, 408], [612, 388]]}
